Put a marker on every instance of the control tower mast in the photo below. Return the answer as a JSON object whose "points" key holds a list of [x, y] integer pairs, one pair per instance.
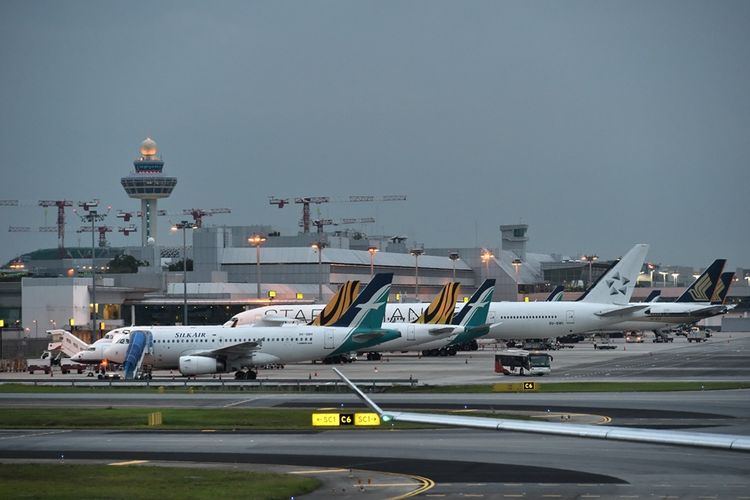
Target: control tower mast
{"points": [[148, 185]]}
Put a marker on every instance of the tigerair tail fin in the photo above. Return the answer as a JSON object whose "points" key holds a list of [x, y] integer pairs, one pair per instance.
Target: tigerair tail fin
{"points": [[338, 305], [702, 289], [556, 295], [722, 288], [474, 312], [653, 296], [440, 311], [368, 309], [617, 284]]}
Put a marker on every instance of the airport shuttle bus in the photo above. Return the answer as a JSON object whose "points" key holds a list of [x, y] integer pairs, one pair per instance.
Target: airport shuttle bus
{"points": [[520, 362]]}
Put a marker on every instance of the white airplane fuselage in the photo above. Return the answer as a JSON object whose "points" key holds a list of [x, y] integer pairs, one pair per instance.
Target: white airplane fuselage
{"points": [[518, 320], [253, 346]]}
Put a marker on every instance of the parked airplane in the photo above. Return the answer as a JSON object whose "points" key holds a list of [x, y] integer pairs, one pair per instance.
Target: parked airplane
{"points": [[556, 294], [698, 439], [606, 303], [198, 350], [653, 296], [472, 317], [687, 309], [722, 288]]}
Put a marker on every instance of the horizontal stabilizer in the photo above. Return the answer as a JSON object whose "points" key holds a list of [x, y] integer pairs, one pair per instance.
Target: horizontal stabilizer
{"points": [[441, 330], [622, 311], [370, 335]]}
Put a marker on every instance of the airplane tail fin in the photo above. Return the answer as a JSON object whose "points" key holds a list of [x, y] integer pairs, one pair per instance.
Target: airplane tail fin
{"points": [[556, 295], [722, 288], [702, 289], [617, 284], [474, 312], [440, 311], [338, 305], [368, 309], [653, 296]]}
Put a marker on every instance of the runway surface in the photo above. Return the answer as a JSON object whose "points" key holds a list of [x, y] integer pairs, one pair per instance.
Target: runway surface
{"points": [[461, 462]]}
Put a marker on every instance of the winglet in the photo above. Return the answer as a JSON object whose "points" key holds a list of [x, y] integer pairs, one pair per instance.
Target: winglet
{"points": [[369, 402]]}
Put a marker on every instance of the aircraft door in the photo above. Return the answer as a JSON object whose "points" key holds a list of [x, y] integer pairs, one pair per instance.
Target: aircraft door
{"points": [[410, 333], [570, 317], [328, 341]]}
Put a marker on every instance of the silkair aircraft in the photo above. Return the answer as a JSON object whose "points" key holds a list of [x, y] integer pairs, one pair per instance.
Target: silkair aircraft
{"points": [[605, 304], [472, 317], [198, 350], [699, 439]]}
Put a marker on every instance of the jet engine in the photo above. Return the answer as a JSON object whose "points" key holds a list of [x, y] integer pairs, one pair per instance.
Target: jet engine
{"points": [[200, 365]]}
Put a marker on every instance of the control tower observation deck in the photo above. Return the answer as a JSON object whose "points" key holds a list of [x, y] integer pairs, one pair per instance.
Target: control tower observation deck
{"points": [[148, 185]]}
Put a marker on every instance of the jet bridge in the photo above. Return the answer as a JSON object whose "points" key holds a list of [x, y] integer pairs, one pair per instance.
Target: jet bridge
{"points": [[141, 343]]}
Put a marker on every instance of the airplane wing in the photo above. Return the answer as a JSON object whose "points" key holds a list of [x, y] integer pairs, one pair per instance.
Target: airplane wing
{"points": [[277, 321], [621, 311], [441, 330], [369, 335], [232, 351], [702, 312], [699, 439]]}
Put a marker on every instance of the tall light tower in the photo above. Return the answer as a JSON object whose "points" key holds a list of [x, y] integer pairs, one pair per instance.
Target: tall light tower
{"points": [[148, 184], [92, 215], [372, 249], [590, 259], [257, 240], [184, 225], [318, 246], [416, 252], [486, 256], [454, 256]]}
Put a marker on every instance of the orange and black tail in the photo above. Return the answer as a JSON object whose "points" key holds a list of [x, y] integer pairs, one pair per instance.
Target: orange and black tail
{"points": [[338, 304], [441, 310]]}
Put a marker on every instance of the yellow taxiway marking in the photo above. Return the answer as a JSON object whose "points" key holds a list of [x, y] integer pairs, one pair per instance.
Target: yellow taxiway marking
{"points": [[208, 430], [318, 471], [130, 462], [235, 403], [427, 484]]}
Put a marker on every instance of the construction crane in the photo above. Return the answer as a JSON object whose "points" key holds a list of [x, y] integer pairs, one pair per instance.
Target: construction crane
{"points": [[130, 228], [320, 223], [102, 230], [199, 213], [60, 204], [308, 200]]}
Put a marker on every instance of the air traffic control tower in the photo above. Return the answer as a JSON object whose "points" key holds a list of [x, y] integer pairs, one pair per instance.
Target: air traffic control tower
{"points": [[148, 185]]}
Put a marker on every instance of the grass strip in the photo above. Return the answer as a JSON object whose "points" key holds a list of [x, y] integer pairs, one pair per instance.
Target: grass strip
{"points": [[661, 386], [63, 481]]}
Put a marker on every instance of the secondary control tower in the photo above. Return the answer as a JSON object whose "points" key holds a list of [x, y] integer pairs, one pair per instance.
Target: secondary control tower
{"points": [[148, 185]]}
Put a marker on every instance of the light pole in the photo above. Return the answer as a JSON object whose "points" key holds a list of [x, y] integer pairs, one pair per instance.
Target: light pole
{"points": [[416, 252], [184, 225], [36, 329], [664, 277], [486, 256], [674, 279], [257, 240], [517, 263], [318, 246], [453, 256], [92, 215], [373, 250], [590, 259]]}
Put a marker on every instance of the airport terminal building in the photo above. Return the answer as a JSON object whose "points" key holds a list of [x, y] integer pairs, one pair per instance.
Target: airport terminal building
{"points": [[229, 275]]}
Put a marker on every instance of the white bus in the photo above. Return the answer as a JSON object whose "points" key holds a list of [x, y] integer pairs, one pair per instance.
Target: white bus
{"points": [[520, 362]]}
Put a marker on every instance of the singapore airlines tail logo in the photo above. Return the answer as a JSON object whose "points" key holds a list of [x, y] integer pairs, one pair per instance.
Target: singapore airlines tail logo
{"points": [[716, 297], [700, 289]]}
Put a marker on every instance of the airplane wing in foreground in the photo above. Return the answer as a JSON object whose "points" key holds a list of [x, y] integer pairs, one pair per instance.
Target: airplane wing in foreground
{"points": [[698, 439]]}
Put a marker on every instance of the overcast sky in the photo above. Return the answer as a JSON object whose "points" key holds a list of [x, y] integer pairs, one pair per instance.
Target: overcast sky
{"points": [[600, 124]]}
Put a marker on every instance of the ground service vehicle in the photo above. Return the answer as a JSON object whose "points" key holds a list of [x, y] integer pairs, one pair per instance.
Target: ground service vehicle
{"points": [[520, 362], [696, 335], [636, 338]]}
